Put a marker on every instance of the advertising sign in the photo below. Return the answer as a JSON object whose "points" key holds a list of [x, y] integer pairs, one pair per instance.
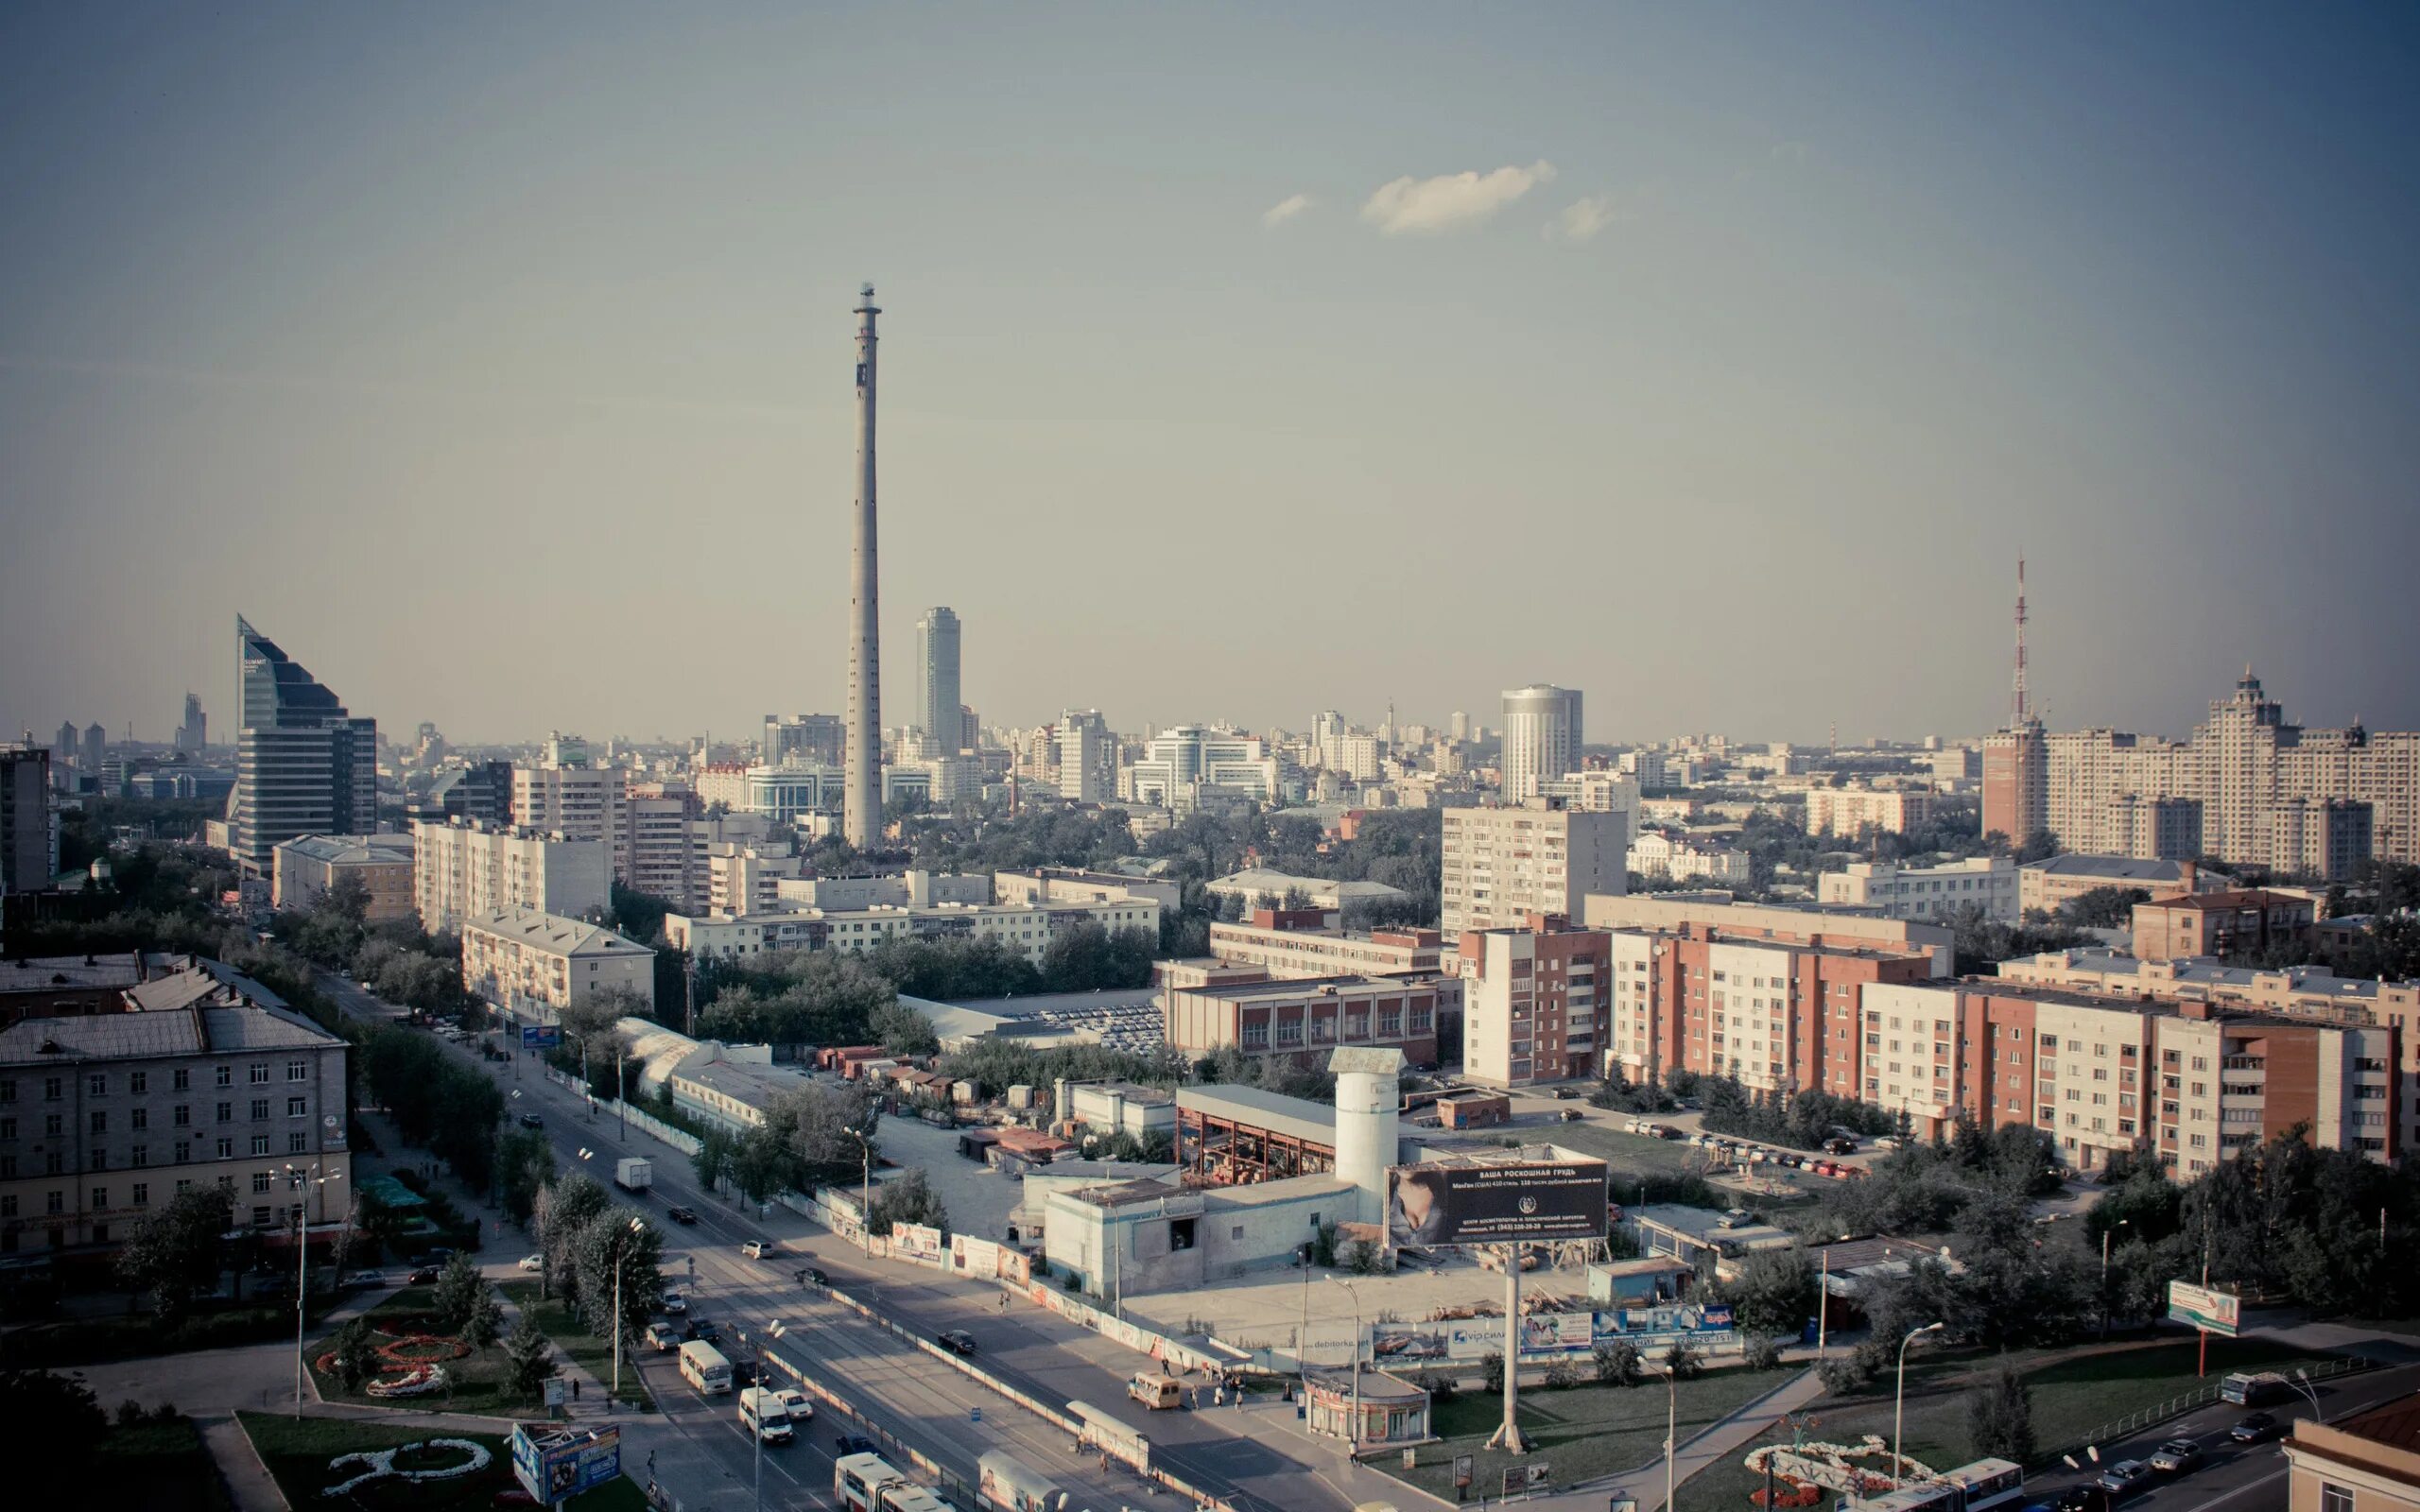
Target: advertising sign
{"points": [[916, 1241], [2204, 1308], [1432, 1206], [542, 1036], [553, 1466], [1709, 1329]]}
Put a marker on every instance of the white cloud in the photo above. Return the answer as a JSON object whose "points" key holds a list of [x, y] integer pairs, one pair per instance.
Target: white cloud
{"points": [[1582, 218], [1449, 202], [1285, 210]]}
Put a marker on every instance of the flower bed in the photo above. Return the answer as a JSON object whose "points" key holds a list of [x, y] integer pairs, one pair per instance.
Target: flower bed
{"points": [[417, 1381], [378, 1463], [1838, 1467]]}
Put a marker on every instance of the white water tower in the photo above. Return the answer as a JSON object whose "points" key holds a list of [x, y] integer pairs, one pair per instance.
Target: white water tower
{"points": [[1367, 1097]]}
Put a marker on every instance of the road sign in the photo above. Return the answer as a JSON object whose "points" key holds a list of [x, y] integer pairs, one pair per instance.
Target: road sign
{"points": [[1462, 1467], [2204, 1308], [973, 1415]]}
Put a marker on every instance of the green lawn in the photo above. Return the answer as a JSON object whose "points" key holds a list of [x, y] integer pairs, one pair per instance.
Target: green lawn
{"points": [[298, 1450], [161, 1465], [479, 1384], [1580, 1432], [573, 1339], [2075, 1391]]}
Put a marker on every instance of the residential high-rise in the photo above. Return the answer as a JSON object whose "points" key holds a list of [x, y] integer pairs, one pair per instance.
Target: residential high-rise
{"points": [[1541, 738], [861, 801], [1502, 865], [29, 841], [1536, 1001], [1460, 726], [95, 750], [63, 750], [194, 733], [563, 793], [465, 868], [937, 707], [1087, 757], [302, 765], [811, 740]]}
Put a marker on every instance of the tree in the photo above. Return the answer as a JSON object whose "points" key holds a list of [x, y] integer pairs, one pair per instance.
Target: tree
{"points": [[529, 1360], [525, 1162], [460, 1286], [486, 1321], [902, 1030], [1618, 1363], [1680, 1361], [356, 1352], [1999, 1415], [1773, 1293], [2104, 907], [907, 1198], [717, 1154], [1492, 1371], [60, 1417], [562, 1209], [614, 1243], [173, 1251]]}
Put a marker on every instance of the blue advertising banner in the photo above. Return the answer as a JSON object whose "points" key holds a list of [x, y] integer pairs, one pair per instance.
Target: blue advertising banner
{"points": [[541, 1036]]}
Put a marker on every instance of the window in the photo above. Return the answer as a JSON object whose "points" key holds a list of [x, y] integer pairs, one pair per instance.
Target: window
{"points": [[260, 1181], [260, 1215], [223, 1077], [142, 1194], [260, 1109], [298, 1070], [8, 1091], [97, 1084], [258, 1072], [181, 1116], [100, 1121], [298, 1143], [2334, 1498], [298, 1108], [54, 1203], [139, 1081], [100, 1200], [140, 1118], [226, 1112], [53, 1089], [54, 1126], [7, 1128], [260, 1145], [181, 1079], [226, 1149], [142, 1155]]}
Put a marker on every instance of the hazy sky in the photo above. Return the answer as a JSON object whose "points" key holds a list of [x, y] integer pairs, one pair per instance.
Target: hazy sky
{"points": [[1239, 363]]}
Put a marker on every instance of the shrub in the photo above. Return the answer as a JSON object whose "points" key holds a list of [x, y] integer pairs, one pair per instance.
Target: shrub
{"points": [[1491, 1368], [1762, 1354], [1562, 1375]]}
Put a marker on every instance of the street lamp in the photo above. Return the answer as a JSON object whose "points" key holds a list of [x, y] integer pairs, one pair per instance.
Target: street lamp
{"points": [[638, 1225], [1671, 1425], [865, 1192], [1352, 1437], [296, 1177], [2104, 1275], [1899, 1401], [2302, 1383]]}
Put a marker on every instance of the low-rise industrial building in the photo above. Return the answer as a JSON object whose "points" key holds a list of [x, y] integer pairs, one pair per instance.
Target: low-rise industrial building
{"points": [[2220, 923], [1304, 1020]]}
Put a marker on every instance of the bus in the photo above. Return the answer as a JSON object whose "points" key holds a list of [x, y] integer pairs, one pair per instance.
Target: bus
{"points": [[703, 1367], [900, 1496], [858, 1481], [1983, 1486], [1008, 1484]]}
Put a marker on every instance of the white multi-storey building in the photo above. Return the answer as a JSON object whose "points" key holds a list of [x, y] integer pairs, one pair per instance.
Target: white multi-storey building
{"points": [[1541, 738], [1176, 764], [1991, 884], [534, 965], [1656, 853], [1848, 811], [1087, 757], [1502, 865], [565, 794], [463, 868]]}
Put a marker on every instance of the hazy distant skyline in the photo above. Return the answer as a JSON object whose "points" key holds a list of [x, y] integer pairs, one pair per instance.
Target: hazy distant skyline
{"points": [[1239, 362]]}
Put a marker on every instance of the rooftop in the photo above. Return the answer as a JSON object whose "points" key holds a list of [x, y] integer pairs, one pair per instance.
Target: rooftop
{"points": [[1304, 986], [153, 1035], [2110, 869], [2397, 1424], [2208, 972], [1312, 1123], [353, 849], [65, 972], [555, 934], [2209, 903]]}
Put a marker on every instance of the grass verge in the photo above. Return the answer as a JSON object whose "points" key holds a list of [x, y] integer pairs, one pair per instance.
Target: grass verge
{"points": [[479, 1383], [161, 1465], [298, 1453], [1580, 1432], [571, 1336]]}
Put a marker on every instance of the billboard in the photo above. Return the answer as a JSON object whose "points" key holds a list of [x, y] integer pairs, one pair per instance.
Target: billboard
{"points": [[2213, 1311], [541, 1036], [1431, 1206], [1709, 1329], [917, 1242], [553, 1466]]}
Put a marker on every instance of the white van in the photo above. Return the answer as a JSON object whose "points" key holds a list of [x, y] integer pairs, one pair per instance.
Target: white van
{"points": [[762, 1413], [705, 1368]]}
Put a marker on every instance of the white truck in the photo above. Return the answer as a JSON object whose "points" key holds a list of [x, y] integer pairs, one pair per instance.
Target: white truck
{"points": [[632, 1174]]}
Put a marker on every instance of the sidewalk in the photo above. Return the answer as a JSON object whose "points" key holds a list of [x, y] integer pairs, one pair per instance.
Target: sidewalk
{"points": [[1712, 1443], [1273, 1420]]}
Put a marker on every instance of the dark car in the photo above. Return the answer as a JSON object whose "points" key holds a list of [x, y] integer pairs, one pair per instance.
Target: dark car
{"points": [[815, 1274], [957, 1341], [2254, 1428], [1564, 1094], [702, 1329], [2126, 1477], [852, 1444], [1839, 1146], [2085, 1498], [438, 1254], [532, 1120], [423, 1277], [743, 1372], [681, 1214]]}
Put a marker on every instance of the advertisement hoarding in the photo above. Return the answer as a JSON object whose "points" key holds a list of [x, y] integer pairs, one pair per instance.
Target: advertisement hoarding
{"points": [[1709, 1329], [917, 1242], [553, 1466], [541, 1036], [1433, 1206], [2203, 1307]]}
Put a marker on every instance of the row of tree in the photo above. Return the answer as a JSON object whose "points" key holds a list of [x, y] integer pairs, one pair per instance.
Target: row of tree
{"points": [[437, 1103], [1801, 1120], [586, 1241]]}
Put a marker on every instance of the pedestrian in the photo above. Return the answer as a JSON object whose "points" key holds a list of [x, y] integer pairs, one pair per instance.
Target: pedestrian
{"points": [[1218, 1396], [574, 1388]]}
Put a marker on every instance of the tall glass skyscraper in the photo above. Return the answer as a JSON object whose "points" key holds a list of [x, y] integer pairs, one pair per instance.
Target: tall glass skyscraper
{"points": [[302, 765], [937, 685]]}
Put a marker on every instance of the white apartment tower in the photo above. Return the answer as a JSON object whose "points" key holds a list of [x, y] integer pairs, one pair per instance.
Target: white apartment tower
{"points": [[1502, 865], [1541, 738], [939, 712]]}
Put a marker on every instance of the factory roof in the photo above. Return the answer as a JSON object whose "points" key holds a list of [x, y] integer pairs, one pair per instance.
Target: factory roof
{"points": [[2111, 868], [1312, 1123], [353, 849], [2203, 970], [1285, 1189], [1261, 879]]}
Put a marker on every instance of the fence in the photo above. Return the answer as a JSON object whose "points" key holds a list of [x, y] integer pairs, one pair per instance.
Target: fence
{"points": [[2134, 1422], [686, 1143]]}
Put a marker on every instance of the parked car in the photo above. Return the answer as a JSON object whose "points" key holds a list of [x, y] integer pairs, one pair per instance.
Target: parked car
{"points": [[674, 1302], [2126, 1476], [957, 1341], [1569, 1115], [534, 1263], [366, 1281], [796, 1403], [532, 1120], [2254, 1428], [1822, 1168], [2176, 1456], [844, 1444], [1564, 1094], [756, 1248], [424, 1276], [663, 1336], [1839, 1146], [679, 1214], [437, 1254]]}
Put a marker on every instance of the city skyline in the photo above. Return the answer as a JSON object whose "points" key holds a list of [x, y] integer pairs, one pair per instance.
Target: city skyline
{"points": [[1595, 291]]}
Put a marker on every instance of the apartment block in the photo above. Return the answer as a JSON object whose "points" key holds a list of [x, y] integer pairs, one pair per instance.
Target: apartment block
{"points": [[1937, 892], [746, 878], [1534, 1002], [2220, 923], [1851, 811], [463, 868], [534, 965], [1677, 912], [2046, 885], [1502, 865], [1306, 943], [860, 913], [565, 794], [203, 1077], [1304, 1021], [29, 825], [303, 870]]}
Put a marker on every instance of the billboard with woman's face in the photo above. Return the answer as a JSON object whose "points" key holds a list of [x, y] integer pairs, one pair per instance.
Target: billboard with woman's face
{"points": [[1540, 1201]]}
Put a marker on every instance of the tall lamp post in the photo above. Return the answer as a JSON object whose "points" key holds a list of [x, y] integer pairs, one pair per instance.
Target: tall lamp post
{"points": [[865, 1192], [1352, 1437], [1899, 1401], [296, 1177], [1672, 1427], [2104, 1275], [621, 1253]]}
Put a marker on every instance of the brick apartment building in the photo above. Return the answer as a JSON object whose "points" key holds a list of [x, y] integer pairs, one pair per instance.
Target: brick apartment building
{"points": [[1533, 1002], [2219, 923]]}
